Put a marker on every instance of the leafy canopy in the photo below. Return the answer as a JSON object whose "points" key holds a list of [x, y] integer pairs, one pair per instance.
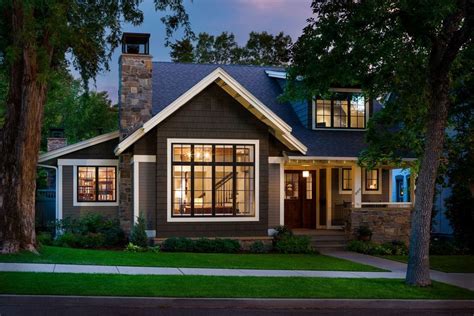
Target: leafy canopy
{"points": [[382, 47], [261, 49]]}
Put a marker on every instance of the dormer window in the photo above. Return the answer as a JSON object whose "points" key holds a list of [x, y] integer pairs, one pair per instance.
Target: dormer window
{"points": [[343, 110]]}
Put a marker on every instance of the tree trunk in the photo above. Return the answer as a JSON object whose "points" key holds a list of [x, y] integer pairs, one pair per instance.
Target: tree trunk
{"points": [[20, 145], [418, 272]]}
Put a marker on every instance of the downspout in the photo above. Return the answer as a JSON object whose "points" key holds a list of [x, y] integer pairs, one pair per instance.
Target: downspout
{"points": [[56, 198]]}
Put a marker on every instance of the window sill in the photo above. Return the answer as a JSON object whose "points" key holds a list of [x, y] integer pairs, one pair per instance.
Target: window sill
{"points": [[211, 219], [339, 129], [95, 203]]}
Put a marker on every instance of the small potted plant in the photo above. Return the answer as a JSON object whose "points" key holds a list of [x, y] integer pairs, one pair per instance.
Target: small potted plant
{"points": [[364, 233]]}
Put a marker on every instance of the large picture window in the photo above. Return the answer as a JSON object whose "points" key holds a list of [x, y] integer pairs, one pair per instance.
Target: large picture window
{"points": [[342, 110], [213, 180], [96, 184]]}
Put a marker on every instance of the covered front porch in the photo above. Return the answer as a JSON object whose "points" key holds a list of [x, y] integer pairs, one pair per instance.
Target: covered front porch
{"points": [[319, 194]]}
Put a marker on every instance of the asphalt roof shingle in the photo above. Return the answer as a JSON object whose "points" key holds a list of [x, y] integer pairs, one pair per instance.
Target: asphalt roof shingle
{"points": [[170, 80]]}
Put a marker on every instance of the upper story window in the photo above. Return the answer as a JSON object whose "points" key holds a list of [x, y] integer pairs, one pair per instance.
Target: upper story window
{"points": [[96, 184], [342, 110]]}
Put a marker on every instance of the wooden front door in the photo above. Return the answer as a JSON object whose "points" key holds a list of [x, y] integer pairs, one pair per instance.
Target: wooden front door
{"points": [[300, 199]]}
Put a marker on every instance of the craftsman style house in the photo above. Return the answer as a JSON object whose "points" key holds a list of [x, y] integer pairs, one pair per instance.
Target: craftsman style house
{"points": [[208, 150]]}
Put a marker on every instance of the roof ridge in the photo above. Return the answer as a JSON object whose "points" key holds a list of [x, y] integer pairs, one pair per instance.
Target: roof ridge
{"points": [[219, 65]]}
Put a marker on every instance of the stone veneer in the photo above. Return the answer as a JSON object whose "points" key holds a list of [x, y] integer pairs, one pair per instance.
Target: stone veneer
{"points": [[135, 91], [135, 108], [386, 224], [54, 143]]}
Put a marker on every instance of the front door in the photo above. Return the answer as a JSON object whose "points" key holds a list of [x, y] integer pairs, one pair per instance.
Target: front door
{"points": [[300, 199]]}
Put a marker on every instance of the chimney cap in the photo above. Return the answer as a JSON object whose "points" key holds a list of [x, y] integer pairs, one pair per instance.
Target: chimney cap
{"points": [[136, 43]]}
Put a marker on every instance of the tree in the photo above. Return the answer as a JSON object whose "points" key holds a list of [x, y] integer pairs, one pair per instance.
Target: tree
{"points": [[402, 48], [34, 39], [266, 49], [261, 49], [82, 114], [182, 51]]}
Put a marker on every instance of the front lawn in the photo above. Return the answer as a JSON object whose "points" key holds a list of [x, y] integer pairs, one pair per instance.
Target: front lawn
{"points": [[215, 286], [50, 254], [452, 264]]}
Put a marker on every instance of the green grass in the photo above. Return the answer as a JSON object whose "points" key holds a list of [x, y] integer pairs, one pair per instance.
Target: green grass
{"points": [[451, 264], [188, 260], [213, 286]]}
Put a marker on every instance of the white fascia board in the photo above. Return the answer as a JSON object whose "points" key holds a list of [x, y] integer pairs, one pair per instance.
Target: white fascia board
{"points": [[78, 146], [218, 73], [276, 74]]}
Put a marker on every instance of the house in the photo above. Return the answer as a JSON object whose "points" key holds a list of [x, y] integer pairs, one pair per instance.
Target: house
{"points": [[208, 150]]}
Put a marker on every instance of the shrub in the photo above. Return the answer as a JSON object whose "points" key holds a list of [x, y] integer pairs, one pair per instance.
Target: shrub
{"points": [[258, 247], [178, 244], [444, 247], [370, 248], [364, 232], [155, 249], [293, 244], [282, 231], [44, 238], [134, 248], [90, 231], [67, 240], [91, 240], [138, 236], [181, 244]]}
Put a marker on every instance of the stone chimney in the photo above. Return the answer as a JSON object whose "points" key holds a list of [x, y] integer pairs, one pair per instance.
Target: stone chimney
{"points": [[135, 84], [56, 139]]}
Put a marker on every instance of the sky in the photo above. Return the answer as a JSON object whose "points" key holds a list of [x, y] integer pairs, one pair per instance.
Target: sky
{"points": [[213, 16]]}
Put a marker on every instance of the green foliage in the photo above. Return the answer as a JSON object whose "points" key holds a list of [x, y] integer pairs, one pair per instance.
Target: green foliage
{"points": [[44, 238], [364, 231], [258, 247], [138, 235], [369, 248], [205, 245], [134, 248], [260, 49], [80, 113], [178, 244], [282, 231], [293, 244], [89, 231], [445, 247]]}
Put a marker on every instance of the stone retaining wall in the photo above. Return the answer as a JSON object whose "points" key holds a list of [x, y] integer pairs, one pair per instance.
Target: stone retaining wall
{"points": [[386, 224]]}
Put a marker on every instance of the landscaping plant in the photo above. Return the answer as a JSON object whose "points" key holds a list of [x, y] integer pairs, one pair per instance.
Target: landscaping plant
{"points": [[138, 235]]}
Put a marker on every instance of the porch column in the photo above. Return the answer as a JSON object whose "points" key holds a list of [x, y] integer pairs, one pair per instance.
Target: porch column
{"points": [[356, 186], [412, 186], [328, 197]]}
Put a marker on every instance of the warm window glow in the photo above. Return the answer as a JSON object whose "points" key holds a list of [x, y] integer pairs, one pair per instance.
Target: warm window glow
{"points": [[343, 110], [292, 185], [216, 180], [372, 180], [346, 179], [96, 184]]}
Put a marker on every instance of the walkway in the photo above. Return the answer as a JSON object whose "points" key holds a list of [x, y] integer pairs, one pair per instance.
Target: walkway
{"points": [[465, 280], [398, 270]]}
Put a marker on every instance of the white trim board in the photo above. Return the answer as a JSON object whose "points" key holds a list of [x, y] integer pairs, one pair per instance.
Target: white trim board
{"points": [[171, 219], [78, 146], [238, 92]]}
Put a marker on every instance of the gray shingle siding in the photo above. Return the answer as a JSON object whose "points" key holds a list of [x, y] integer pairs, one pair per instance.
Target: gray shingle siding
{"points": [[147, 192], [273, 195], [211, 114]]}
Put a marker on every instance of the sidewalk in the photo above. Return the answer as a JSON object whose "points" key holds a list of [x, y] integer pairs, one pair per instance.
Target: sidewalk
{"points": [[398, 270], [465, 280]]}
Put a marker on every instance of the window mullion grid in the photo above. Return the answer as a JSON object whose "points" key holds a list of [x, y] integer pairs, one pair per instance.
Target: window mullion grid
{"points": [[192, 180], [234, 180], [96, 184], [213, 181]]}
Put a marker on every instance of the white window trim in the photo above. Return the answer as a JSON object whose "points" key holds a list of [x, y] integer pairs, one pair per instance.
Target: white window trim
{"points": [[364, 174], [90, 162], [172, 219], [341, 191]]}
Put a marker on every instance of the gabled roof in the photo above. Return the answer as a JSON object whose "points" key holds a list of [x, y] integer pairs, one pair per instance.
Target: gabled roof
{"points": [[180, 95], [78, 146]]}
